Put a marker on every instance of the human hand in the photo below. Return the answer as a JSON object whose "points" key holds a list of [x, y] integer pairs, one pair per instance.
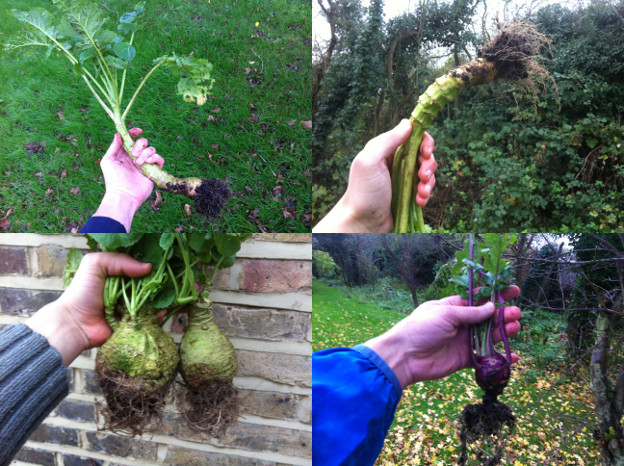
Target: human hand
{"points": [[75, 321], [126, 186], [434, 341], [366, 205]]}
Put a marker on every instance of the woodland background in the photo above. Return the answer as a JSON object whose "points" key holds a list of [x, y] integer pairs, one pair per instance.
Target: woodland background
{"points": [[509, 159]]}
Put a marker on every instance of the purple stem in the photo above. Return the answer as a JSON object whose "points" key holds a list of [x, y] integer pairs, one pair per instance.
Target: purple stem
{"points": [[501, 325], [473, 330]]}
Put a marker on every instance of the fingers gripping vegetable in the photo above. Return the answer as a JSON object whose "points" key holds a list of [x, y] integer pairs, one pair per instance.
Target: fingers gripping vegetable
{"points": [[484, 426], [138, 364], [510, 55], [101, 58], [208, 364]]}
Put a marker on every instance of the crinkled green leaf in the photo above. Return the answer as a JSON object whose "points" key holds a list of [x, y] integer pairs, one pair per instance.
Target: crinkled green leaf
{"points": [[105, 37], [40, 19], [115, 62], [86, 54], [116, 241], [86, 18], [124, 51], [74, 258], [127, 28], [195, 81], [227, 245]]}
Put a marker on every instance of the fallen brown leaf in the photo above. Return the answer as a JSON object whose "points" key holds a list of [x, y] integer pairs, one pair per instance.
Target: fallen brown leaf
{"points": [[74, 191], [307, 123], [253, 118], [49, 191], [187, 209]]}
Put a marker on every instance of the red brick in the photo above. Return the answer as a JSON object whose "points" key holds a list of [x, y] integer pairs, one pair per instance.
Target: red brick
{"points": [[275, 276], [13, 260]]}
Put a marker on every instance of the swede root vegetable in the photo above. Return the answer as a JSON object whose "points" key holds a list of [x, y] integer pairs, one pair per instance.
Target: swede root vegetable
{"points": [[136, 368], [484, 427], [510, 55], [208, 364]]}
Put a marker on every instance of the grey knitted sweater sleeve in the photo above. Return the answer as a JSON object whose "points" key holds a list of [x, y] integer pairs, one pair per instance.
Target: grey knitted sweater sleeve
{"points": [[33, 380]]}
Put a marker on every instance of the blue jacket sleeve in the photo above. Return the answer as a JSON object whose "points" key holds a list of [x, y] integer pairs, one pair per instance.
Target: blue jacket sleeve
{"points": [[354, 397], [102, 225]]}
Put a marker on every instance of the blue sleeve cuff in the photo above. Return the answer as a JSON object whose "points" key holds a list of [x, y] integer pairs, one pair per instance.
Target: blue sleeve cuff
{"points": [[381, 364], [102, 225]]}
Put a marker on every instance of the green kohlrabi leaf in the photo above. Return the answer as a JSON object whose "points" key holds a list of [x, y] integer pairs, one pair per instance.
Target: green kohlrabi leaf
{"points": [[115, 62], [74, 258], [116, 241], [124, 51], [41, 22], [195, 81]]}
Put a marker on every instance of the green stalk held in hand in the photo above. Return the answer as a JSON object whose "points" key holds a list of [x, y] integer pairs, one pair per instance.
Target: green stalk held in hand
{"points": [[510, 55], [101, 57]]}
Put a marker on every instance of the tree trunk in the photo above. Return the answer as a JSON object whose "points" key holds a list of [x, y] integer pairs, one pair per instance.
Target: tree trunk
{"points": [[607, 401]]}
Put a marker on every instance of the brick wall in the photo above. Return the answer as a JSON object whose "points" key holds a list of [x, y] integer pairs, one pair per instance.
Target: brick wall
{"points": [[263, 304]]}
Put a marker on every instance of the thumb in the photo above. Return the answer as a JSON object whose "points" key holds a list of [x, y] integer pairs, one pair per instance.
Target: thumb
{"points": [[469, 315], [114, 147], [385, 145]]}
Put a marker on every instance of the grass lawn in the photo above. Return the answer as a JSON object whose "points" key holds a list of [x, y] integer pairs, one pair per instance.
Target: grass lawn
{"points": [[554, 413], [253, 131]]}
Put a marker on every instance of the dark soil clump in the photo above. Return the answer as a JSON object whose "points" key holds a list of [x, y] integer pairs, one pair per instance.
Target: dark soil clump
{"points": [[514, 50], [484, 430], [130, 404], [211, 196], [211, 409]]}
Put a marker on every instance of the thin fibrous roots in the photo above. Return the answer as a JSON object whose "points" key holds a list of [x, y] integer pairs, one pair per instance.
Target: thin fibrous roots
{"points": [[484, 430], [211, 409], [210, 195], [130, 407]]}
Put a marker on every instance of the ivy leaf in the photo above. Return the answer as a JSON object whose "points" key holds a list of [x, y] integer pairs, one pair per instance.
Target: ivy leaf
{"points": [[124, 51], [195, 81]]}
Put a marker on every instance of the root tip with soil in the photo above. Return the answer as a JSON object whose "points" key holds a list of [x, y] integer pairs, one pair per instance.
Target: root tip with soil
{"points": [[131, 405], [484, 430], [211, 409], [211, 196]]}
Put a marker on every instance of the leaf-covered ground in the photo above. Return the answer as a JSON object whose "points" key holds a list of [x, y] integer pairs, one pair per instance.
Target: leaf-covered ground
{"points": [[554, 414], [254, 130]]}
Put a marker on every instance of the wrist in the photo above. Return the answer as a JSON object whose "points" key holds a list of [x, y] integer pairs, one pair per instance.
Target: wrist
{"points": [[342, 218], [119, 207], [390, 347], [61, 333]]}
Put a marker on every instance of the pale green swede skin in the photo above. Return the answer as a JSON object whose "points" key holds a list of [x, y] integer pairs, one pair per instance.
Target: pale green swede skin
{"points": [[205, 352], [140, 348]]}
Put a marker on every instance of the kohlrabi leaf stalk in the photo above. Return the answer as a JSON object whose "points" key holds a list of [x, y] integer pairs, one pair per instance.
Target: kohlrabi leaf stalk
{"points": [[485, 427], [510, 55], [101, 57]]}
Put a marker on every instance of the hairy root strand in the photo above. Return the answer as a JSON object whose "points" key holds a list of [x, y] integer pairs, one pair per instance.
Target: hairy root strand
{"points": [[211, 409], [129, 405]]}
